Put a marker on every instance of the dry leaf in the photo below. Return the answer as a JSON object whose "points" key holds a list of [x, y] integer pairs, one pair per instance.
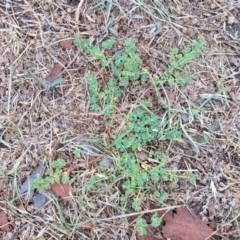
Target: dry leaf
{"points": [[87, 225], [213, 224], [21, 208], [4, 226], [142, 155], [67, 44], [148, 90], [96, 121], [184, 226], [178, 106], [171, 96], [10, 57], [146, 17], [2, 180], [211, 208], [233, 96], [106, 161], [62, 190], [56, 70]]}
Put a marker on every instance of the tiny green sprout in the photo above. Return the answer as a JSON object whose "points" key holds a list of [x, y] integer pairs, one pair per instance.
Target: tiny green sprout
{"points": [[203, 139], [94, 91], [95, 51], [161, 197], [65, 177], [77, 42], [77, 153], [191, 177], [42, 184], [108, 44], [156, 221], [136, 204], [141, 226], [58, 164], [177, 61]]}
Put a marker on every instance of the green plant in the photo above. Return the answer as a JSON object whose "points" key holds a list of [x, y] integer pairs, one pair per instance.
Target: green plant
{"points": [[125, 68], [108, 44], [126, 65], [143, 127], [93, 91], [95, 51], [58, 175], [191, 177], [141, 226], [156, 221], [77, 153], [177, 61]]}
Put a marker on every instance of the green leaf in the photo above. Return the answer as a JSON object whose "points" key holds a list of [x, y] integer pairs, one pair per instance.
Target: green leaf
{"points": [[156, 221], [141, 226], [65, 178], [42, 184], [59, 163], [77, 42], [136, 204], [77, 153], [191, 177], [161, 197], [108, 44]]}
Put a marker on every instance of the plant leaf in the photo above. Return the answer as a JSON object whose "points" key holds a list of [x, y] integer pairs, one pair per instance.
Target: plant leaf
{"points": [[87, 225], [150, 235], [62, 190], [171, 96], [183, 226], [56, 70], [67, 44], [4, 226]]}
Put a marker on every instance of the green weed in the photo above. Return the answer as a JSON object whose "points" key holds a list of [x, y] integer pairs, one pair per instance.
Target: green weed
{"points": [[177, 61], [58, 175], [156, 221], [142, 128], [89, 48], [125, 68], [141, 226], [138, 180]]}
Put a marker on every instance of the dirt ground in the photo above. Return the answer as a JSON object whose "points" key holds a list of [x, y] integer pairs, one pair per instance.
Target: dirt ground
{"points": [[39, 125]]}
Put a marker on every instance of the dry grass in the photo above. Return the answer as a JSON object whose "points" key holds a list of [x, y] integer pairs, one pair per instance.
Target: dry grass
{"points": [[36, 124]]}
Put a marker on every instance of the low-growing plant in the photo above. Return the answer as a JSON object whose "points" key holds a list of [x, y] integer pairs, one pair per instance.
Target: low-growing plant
{"points": [[125, 68], [156, 221], [178, 60], [142, 128], [138, 180], [58, 175], [141, 226]]}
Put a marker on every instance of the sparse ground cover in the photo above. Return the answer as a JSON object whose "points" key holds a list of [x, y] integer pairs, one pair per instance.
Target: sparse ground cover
{"points": [[119, 119]]}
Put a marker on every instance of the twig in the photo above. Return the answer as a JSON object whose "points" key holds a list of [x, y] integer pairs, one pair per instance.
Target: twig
{"points": [[69, 169], [139, 213]]}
